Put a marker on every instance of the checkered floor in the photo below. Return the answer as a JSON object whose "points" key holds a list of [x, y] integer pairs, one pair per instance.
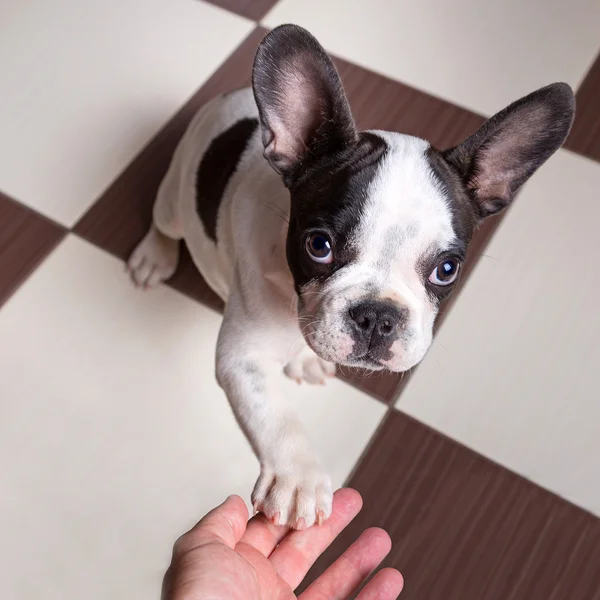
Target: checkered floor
{"points": [[114, 436]]}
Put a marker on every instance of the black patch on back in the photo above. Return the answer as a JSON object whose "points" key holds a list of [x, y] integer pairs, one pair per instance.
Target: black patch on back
{"points": [[329, 196], [216, 169]]}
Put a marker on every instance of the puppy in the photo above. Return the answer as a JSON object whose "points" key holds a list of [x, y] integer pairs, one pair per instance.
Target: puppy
{"points": [[328, 245]]}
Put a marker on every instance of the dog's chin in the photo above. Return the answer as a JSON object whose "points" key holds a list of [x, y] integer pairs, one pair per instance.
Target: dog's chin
{"points": [[364, 363], [400, 360], [333, 353], [342, 354], [341, 357]]}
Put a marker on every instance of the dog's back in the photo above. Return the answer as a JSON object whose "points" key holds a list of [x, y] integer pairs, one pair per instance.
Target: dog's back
{"points": [[221, 147]]}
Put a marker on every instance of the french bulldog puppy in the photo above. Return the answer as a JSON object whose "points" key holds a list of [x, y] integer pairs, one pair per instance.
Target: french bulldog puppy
{"points": [[327, 244]]}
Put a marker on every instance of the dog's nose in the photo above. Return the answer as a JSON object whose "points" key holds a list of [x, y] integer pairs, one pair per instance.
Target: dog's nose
{"points": [[375, 320]]}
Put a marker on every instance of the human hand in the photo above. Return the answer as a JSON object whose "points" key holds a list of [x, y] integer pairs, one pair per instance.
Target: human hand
{"points": [[227, 557]]}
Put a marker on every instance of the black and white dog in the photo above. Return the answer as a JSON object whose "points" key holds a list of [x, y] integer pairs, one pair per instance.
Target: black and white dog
{"points": [[329, 245]]}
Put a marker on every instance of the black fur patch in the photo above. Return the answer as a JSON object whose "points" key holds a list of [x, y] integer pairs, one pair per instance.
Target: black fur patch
{"points": [[329, 197], [465, 219], [216, 168]]}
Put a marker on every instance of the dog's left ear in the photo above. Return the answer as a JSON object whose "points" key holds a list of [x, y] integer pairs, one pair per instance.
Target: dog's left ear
{"points": [[302, 105], [498, 158]]}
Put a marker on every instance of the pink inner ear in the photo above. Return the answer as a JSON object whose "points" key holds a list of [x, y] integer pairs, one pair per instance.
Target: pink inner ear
{"points": [[299, 111], [506, 159]]}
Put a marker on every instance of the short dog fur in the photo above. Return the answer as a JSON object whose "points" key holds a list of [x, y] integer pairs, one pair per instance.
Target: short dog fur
{"points": [[328, 245]]}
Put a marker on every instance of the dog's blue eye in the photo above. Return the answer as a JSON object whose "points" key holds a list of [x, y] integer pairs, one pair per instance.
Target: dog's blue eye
{"points": [[446, 272], [319, 249]]}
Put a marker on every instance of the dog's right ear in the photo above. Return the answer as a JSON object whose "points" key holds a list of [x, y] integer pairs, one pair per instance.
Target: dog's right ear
{"points": [[302, 105]]}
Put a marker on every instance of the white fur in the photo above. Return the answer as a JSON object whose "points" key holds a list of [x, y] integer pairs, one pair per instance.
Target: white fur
{"points": [[406, 215]]}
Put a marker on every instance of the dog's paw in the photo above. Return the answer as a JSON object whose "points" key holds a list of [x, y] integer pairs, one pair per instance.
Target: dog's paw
{"points": [[154, 260], [309, 367], [298, 497]]}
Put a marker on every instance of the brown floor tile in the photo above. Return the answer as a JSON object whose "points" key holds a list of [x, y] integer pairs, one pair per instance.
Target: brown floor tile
{"points": [[251, 9], [26, 238], [465, 528], [120, 218], [585, 135], [122, 215]]}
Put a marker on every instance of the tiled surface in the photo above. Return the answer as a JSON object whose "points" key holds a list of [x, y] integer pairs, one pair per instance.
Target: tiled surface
{"points": [[517, 358], [25, 239], [87, 84], [481, 55], [113, 434], [585, 135], [252, 9], [122, 438], [464, 528], [121, 217]]}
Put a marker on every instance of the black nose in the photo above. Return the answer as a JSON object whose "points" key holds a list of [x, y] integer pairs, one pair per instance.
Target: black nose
{"points": [[376, 320]]}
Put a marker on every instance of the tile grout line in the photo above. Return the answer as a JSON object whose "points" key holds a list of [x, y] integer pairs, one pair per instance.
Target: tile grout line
{"points": [[490, 461], [34, 212]]}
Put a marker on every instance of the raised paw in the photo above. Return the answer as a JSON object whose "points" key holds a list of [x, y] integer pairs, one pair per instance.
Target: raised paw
{"points": [[298, 497], [154, 260], [309, 367]]}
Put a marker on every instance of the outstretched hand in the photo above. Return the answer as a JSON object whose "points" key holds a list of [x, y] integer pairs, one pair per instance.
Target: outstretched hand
{"points": [[225, 556]]}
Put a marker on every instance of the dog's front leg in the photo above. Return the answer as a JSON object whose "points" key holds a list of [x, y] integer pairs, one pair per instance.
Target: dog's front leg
{"points": [[293, 488]]}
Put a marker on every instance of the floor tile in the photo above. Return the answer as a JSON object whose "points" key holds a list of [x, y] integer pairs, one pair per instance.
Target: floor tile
{"points": [[513, 372], [26, 238], [87, 84], [481, 55], [252, 9], [585, 135], [465, 528], [114, 436], [121, 217]]}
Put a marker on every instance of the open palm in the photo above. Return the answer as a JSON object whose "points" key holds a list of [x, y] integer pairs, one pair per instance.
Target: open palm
{"points": [[225, 556]]}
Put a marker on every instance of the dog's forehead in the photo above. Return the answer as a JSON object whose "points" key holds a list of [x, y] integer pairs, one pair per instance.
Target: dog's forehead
{"points": [[406, 209]]}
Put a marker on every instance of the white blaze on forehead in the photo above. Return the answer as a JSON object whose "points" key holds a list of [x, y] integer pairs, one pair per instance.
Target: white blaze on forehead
{"points": [[406, 213], [406, 216]]}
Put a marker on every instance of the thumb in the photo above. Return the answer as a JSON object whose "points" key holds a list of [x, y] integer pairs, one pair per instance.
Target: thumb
{"points": [[224, 524]]}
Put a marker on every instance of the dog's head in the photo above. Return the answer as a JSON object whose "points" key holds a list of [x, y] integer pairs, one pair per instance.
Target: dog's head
{"points": [[379, 221]]}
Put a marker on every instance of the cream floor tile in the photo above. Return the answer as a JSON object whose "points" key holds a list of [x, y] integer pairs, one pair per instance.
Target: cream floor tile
{"points": [[86, 84], [513, 372], [114, 436], [480, 55]]}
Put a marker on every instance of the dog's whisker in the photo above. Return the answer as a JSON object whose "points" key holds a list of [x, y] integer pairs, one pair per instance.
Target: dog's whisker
{"points": [[277, 212]]}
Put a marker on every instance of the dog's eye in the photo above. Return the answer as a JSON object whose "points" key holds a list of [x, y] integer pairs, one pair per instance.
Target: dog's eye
{"points": [[319, 249], [446, 272]]}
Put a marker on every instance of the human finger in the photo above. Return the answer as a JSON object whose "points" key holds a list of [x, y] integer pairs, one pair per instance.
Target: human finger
{"points": [[386, 585], [263, 535], [225, 524], [297, 552], [346, 574]]}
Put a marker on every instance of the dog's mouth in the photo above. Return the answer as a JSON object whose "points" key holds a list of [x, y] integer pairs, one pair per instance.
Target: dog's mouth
{"points": [[341, 356], [365, 362]]}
